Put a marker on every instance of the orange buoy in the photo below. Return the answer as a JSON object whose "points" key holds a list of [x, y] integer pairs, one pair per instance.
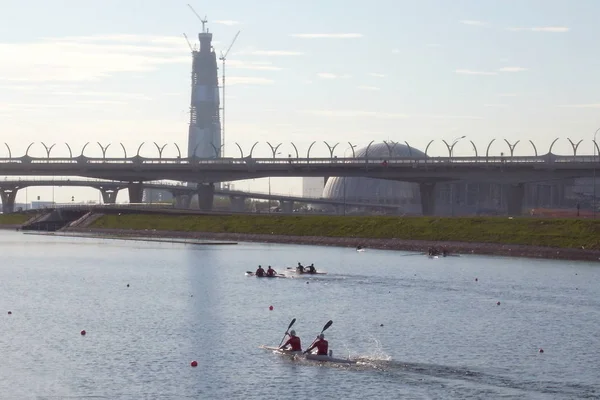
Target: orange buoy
{"points": [[83, 332], [194, 363], [271, 308]]}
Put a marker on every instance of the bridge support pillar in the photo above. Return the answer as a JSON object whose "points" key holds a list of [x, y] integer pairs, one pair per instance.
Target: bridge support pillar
{"points": [[287, 207], [237, 203], [206, 194], [109, 196], [136, 192], [427, 191], [183, 201], [8, 196], [515, 194], [339, 209]]}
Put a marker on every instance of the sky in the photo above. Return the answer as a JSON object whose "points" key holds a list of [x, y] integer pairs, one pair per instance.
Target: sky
{"points": [[300, 71]]}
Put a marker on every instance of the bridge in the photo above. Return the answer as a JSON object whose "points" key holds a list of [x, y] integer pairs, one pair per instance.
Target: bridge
{"points": [[181, 192], [426, 171]]}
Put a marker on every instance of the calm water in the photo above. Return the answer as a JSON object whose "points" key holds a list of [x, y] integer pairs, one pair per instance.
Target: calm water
{"points": [[443, 334]]}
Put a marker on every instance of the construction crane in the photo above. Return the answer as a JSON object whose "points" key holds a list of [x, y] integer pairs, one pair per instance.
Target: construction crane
{"points": [[204, 21], [192, 48], [222, 59]]}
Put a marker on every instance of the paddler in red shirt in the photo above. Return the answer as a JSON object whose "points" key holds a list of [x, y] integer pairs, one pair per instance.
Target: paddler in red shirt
{"points": [[271, 271], [293, 342], [321, 344]]}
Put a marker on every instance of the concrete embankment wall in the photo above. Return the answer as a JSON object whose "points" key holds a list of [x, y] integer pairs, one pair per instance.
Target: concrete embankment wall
{"points": [[419, 246]]}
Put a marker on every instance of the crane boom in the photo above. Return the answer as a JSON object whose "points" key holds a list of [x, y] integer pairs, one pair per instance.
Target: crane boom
{"points": [[223, 56], [188, 42], [204, 21]]}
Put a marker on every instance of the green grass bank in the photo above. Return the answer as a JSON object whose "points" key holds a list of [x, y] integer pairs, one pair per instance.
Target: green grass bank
{"points": [[14, 218], [557, 233]]}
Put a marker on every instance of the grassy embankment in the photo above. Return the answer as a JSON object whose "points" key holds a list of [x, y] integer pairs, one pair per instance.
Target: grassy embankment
{"points": [[561, 233], [14, 218]]}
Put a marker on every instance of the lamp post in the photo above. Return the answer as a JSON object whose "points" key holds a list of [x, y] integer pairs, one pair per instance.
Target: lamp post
{"points": [[594, 175]]}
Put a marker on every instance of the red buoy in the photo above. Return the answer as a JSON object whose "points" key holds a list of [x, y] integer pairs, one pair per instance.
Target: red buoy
{"points": [[10, 313], [83, 332], [498, 303], [194, 363], [541, 350], [476, 280], [271, 308]]}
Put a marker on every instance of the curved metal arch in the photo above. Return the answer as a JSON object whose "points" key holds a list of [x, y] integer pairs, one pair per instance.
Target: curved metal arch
{"points": [[511, 147], [160, 149], [9, 151], [124, 150], [70, 152], [552, 145], [331, 148], [252, 148], [139, 148], [194, 153], [274, 148], [534, 148], [28, 147], [310, 147], [597, 148], [240, 149], [48, 149], [427, 147], [352, 146], [574, 145], [103, 149], [474, 148], [367, 150], [450, 148], [178, 150], [390, 148], [487, 151], [295, 149], [83, 148], [216, 149], [409, 148]]}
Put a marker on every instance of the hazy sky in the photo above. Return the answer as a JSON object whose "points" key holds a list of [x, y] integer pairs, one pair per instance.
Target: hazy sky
{"points": [[302, 71]]}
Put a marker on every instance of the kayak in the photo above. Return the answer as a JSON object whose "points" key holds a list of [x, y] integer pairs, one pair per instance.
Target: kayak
{"points": [[249, 273], [294, 270], [312, 357]]}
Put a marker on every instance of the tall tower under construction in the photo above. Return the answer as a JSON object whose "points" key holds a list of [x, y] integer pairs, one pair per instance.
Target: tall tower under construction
{"points": [[204, 139]]}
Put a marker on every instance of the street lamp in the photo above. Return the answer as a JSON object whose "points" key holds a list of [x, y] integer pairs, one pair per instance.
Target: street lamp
{"points": [[594, 176]]}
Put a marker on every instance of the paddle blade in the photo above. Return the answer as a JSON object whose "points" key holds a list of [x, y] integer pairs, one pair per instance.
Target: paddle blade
{"points": [[327, 325], [292, 323]]}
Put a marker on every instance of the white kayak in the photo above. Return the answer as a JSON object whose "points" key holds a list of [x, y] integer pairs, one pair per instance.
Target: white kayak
{"points": [[293, 270], [312, 357]]}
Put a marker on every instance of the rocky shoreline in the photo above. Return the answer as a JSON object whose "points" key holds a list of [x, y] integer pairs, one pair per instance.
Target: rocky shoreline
{"points": [[509, 250]]}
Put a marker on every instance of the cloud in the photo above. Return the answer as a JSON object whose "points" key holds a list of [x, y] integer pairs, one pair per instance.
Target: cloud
{"points": [[381, 115], [327, 35], [271, 53], [508, 94], [433, 45], [395, 51], [551, 29], [592, 105], [328, 75], [227, 22], [132, 96], [248, 80], [473, 22], [372, 88], [495, 105], [472, 72], [259, 66], [88, 58], [512, 69], [376, 75]]}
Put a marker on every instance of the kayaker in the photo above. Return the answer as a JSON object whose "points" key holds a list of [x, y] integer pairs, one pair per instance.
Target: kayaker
{"points": [[293, 342], [321, 344], [312, 269], [271, 271], [300, 268], [260, 271]]}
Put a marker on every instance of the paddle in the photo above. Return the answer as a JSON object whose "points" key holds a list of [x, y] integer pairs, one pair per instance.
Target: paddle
{"points": [[327, 325], [286, 332]]}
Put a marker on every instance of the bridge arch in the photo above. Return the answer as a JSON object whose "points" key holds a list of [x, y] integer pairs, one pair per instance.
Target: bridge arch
{"points": [[9, 150]]}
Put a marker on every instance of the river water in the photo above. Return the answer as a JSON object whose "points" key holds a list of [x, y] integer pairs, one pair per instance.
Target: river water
{"points": [[422, 328]]}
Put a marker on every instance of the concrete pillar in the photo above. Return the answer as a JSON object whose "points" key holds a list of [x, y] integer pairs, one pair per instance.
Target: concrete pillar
{"points": [[136, 192], [8, 196], [237, 203], [339, 209], [427, 191], [515, 194], [287, 207], [109, 196], [183, 201], [206, 193]]}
